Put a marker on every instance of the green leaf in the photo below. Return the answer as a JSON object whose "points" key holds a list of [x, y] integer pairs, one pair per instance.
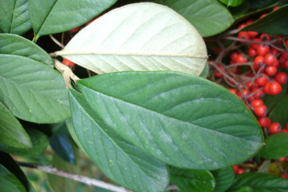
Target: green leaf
{"points": [[232, 3], [118, 159], [239, 11], [12, 132], [264, 168], [280, 112], [56, 16], [271, 100], [192, 180], [15, 45], [276, 146], [208, 17], [245, 189], [10, 183], [260, 182], [62, 145], [7, 161], [14, 16], [274, 23], [61, 184], [205, 71], [138, 37], [39, 141], [183, 120], [32, 91], [223, 178], [258, 4]]}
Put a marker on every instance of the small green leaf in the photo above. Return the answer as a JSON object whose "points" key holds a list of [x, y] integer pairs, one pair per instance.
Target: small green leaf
{"points": [[14, 16], [271, 100], [39, 141], [276, 146], [118, 159], [10, 183], [208, 17], [232, 3], [258, 4], [245, 189], [138, 37], [205, 71], [280, 112], [32, 91], [54, 16], [223, 178], [62, 145], [12, 132], [239, 11], [192, 180], [259, 182], [61, 184], [264, 168], [16, 45], [183, 120], [274, 23]]}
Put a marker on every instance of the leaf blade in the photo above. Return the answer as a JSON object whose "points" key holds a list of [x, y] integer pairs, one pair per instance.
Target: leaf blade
{"points": [[275, 147]]}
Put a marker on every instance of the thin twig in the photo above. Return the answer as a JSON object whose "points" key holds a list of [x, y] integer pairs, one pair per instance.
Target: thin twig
{"points": [[88, 181], [57, 42]]}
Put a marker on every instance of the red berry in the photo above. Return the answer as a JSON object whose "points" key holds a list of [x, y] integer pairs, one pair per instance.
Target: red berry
{"points": [[69, 63], [266, 88], [262, 16], [249, 85], [249, 21], [264, 121], [74, 30], [234, 56], [241, 59], [286, 42], [276, 63], [274, 88], [284, 55], [261, 81], [217, 73], [262, 50], [274, 128], [252, 34], [255, 45], [275, 8], [232, 91], [242, 26], [245, 92], [256, 102], [285, 64], [271, 70], [269, 59], [252, 52], [258, 62], [235, 168], [283, 175], [243, 35], [260, 110], [284, 130], [258, 93], [281, 77], [265, 37], [274, 51], [240, 171]]}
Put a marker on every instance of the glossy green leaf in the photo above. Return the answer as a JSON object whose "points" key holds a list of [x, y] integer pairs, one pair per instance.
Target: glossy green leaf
{"points": [[205, 71], [192, 180], [274, 23], [56, 16], [276, 146], [8, 162], [232, 3], [271, 100], [208, 17], [260, 182], [258, 4], [32, 91], [62, 145], [280, 112], [223, 178], [9, 183], [239, 11], [16, 45], [61, 184], [138, 37], [39, 141], [264, 168], [183, 120], [14, 16], [12, 132], [118, 159], [245, 189]]}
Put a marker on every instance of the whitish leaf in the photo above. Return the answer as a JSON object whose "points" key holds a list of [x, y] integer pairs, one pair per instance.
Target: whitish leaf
{"points": [[183, 120], [138, 37], [118, 159], [56, 16], [32, 91], [14, 16], [12, 132]]}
